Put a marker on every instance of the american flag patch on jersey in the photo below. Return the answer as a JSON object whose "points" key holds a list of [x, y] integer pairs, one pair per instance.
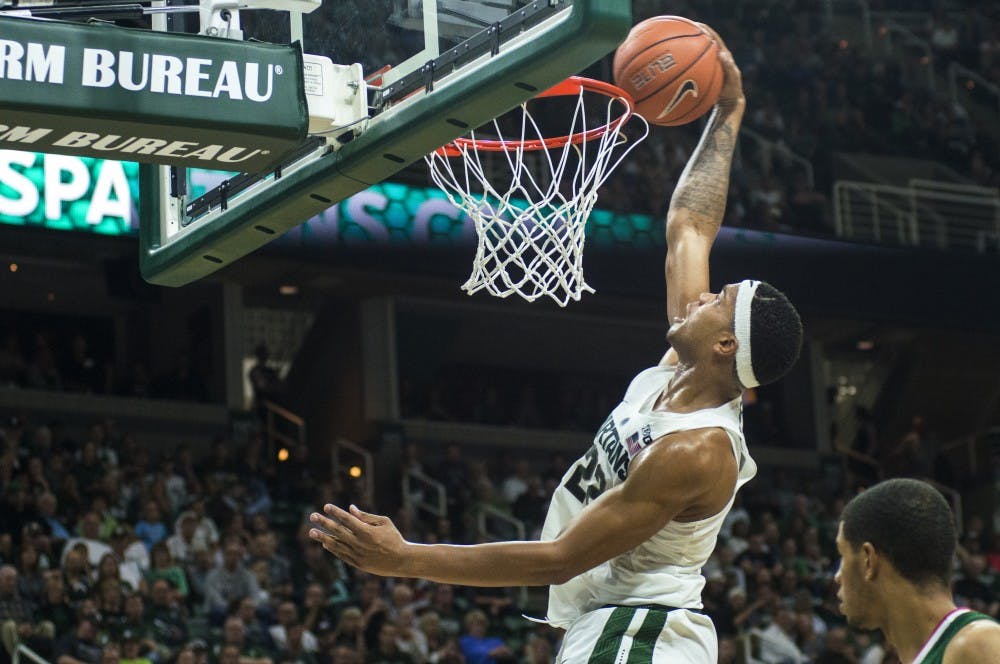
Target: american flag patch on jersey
{"points": [[632, 444]]}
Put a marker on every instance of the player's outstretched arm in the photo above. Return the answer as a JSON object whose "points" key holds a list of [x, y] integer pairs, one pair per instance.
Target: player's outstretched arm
{"points": [[619, 520], [699, 200]]}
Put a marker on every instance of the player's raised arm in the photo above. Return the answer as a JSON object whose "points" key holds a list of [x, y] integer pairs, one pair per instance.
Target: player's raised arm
{"points": [[699, 201]]}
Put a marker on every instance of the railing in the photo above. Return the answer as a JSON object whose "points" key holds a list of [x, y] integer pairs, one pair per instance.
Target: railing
{"points": [[26, 652], [486, 512], [952, 495], [483, 516], [770, 149], [415, 483], [963, 77], [892, 35], [367, 463], [275, 417], [924, 214]]}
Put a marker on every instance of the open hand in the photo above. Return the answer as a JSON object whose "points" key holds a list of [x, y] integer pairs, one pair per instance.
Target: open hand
{"points": [[732, 83], [366, 541]]}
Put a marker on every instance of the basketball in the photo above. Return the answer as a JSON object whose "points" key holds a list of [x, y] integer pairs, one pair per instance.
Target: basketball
{"points": [[669, 65]]}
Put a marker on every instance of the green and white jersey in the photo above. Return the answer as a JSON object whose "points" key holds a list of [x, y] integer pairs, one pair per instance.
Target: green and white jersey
{"points": [[666, 569], [950, 625]]}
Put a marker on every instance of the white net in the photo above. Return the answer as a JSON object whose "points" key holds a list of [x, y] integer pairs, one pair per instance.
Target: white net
{"points": [[530, 207]]}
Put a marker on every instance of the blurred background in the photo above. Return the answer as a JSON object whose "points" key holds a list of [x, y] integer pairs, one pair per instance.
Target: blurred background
{"points": [[160, 448]]}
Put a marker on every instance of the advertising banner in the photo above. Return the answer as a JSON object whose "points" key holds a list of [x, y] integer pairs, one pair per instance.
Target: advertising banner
{"points": [[104, 91]]}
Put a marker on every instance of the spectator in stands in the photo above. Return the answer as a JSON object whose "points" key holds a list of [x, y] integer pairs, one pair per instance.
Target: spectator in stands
{"points": [[134, 626], [30, 583], [163, 567], [316, 608], [130, 555], [257, 632], [449, 607], [386, 650], [287, 617], [229, 581], [234, 637], [837, 648], [778, 640], [349, 629], [54, 606], [974, 587], [164, 618], [453, 472], [76, 573], [517, 482], [206, 533], [294, 649], [18, 623], [727, 650], [906, 457], [81, 372], [47, 506], [264, 548], [409, 638], [90, 539], [108, 569], [476, 646], [944, 34], [89, 469], [111, 605], [18, 510], [345, 655], [80, 646], [400, 598], [182, 544], [151, 529], [265, 380]]}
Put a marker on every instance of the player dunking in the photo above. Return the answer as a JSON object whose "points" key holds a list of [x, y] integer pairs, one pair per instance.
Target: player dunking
{"points": [[897, 542], [637, 517]]}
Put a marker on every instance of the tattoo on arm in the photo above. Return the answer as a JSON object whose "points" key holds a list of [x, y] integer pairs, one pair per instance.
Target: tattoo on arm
{"points": [[703, 185]]}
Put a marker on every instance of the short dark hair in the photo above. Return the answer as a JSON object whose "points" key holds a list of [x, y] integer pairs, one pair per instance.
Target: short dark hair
{"points": [[775, 334], [909, 522]]}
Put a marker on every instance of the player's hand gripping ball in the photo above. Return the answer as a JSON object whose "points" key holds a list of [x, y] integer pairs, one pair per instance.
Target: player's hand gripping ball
{"points": [[670, 67]]}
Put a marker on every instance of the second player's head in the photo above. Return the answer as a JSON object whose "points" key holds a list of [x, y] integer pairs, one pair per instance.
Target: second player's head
{"points": [[749, 329], [899, 535]]}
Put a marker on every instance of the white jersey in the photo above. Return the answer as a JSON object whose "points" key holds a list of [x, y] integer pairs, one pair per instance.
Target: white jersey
{"points": [[666, 568]]}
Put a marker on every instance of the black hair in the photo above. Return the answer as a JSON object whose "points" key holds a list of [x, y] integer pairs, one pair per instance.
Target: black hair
{"points": [[775, 334], [908, 522]]}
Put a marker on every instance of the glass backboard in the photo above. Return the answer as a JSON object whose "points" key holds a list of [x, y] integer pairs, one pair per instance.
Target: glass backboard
{"points": [[433, 70]]}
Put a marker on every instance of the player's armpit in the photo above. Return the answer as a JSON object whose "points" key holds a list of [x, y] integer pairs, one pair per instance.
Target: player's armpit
{"points": [[666, 479], [977, 642]]}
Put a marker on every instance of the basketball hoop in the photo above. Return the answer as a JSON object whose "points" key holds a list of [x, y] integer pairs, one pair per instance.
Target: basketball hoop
{"points": [[535, 193]]}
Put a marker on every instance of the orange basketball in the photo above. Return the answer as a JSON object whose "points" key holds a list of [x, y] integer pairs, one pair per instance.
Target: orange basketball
{"points": [[671, 68]]}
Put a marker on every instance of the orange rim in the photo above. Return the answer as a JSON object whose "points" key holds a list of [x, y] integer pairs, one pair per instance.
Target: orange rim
{"points": [[571, 86]]}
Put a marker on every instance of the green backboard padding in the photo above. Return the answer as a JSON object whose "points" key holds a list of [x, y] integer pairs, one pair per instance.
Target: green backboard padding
{"points": [[99, 90], [515, 74]]}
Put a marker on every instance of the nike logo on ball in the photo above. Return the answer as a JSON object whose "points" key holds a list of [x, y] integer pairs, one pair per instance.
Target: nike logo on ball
{"points": [[686, 87]]}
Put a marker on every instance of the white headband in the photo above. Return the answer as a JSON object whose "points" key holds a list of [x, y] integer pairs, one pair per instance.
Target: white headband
{"points": [[744, 365]]}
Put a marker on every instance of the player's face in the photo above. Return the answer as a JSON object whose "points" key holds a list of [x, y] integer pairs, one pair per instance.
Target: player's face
{"points": [[856, 598], [706, 316]]}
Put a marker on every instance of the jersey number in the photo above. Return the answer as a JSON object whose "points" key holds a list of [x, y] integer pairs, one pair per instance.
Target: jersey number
{"points": [[587, 481]]}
